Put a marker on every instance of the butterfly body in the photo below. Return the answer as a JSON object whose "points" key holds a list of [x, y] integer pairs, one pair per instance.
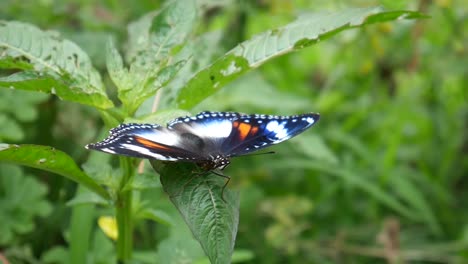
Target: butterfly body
{"points": [[209, 139]]}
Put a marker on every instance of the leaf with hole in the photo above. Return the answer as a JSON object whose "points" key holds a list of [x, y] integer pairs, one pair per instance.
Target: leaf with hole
{"points": [[49, 64], [305, 31]]}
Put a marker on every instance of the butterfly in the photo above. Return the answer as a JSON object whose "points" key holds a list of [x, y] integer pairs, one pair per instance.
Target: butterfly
{"points": [[209, 139]]}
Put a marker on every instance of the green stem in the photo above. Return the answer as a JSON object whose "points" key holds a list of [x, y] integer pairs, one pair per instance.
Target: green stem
{"points": [[124, 213]]}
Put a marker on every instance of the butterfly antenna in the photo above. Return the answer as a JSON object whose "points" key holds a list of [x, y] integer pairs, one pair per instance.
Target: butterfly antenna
{"points": [[261, 153]]}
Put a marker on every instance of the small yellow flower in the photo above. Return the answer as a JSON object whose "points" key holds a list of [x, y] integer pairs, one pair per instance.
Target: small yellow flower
{"points": [[108, 225]]}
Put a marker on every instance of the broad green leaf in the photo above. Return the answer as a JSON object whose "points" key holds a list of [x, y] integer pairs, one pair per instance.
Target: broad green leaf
{"points": [[49, 159], [305, 31], [178, 250], [50, 64], [153, 41], [138, 93], [154, 36], [198, 198], [184, 248]]}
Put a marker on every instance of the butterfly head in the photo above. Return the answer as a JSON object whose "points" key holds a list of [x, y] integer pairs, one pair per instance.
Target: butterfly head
{"points": [[217, 162]]}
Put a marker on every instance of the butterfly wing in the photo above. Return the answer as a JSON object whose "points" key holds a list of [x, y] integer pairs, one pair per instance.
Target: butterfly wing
{"points": [[205, 132], [254, 132], [204, 136], [145, 141]]}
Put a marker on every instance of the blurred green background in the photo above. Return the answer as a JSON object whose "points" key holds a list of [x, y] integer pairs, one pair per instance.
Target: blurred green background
{"points": [[383, 174]]}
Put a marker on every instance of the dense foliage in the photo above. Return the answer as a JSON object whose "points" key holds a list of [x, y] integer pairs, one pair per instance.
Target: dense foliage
{"points": [[382, 176]]}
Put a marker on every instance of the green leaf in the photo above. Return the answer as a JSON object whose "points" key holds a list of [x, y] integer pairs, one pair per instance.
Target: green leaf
{"points": [[305, 31], [178, 250], [154, 36], [239, 256], [22, 198], [49, 159], [198, 198], [153, 41], [49, 64], [148, 85]]}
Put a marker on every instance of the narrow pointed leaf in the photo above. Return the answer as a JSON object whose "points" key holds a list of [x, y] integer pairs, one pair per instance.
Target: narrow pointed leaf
{"points": [[49, 159], [305, 31], [198, 198]]}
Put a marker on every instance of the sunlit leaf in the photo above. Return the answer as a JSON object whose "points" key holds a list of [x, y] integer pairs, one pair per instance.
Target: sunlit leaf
{"points": [[305, 31], [49, 64], [153, 41]]}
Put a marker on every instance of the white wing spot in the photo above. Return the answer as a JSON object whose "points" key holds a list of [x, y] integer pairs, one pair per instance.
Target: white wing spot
{"points": [[278, 129], [211, 129], [147, 152], [166, 138], [310, 120], [108, 150]]}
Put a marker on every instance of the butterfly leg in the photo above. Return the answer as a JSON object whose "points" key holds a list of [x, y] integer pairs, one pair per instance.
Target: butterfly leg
{"points": [[225, 184]]}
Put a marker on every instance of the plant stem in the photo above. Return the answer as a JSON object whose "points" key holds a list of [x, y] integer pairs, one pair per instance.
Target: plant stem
{"points": [[124, 213]]}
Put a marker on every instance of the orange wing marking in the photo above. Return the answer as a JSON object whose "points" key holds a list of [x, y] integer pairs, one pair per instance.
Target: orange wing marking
{"points": [[150, 144], [244, 130], [253, 130]]}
